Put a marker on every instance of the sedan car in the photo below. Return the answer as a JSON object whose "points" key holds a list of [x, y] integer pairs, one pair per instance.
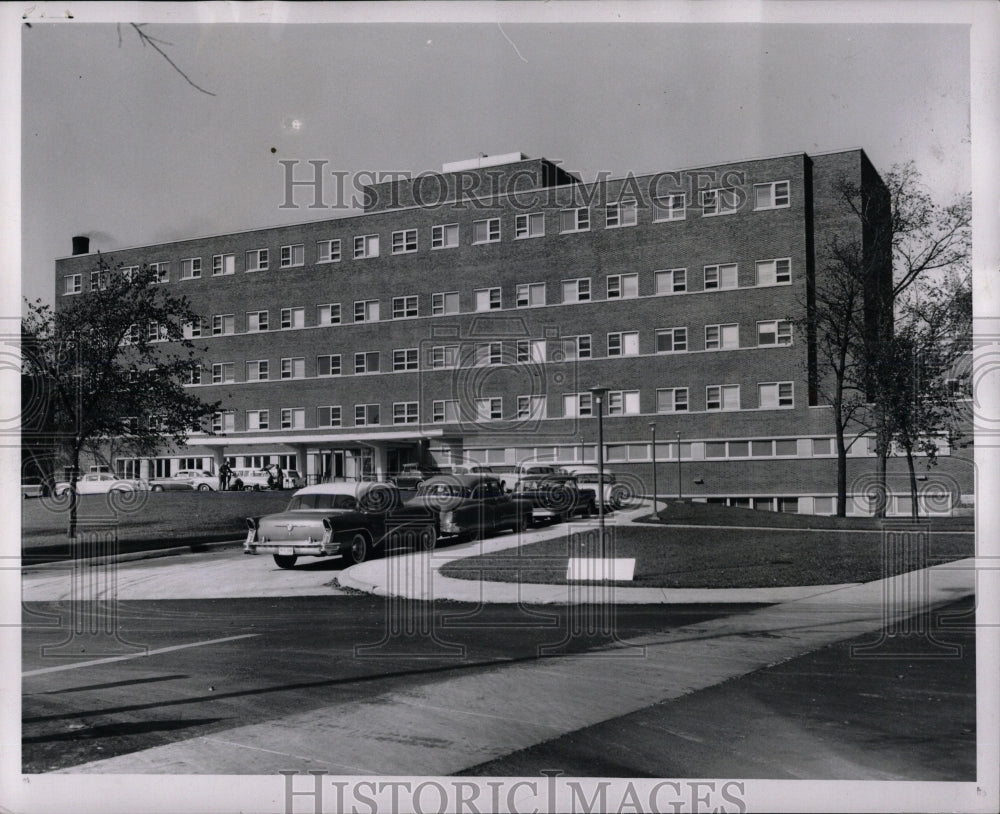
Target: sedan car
{"points": [[457, 505], [411, 475], [329, 519], [555, 497], [34, 487], [616, 494], [247, 479], [100, 483]]}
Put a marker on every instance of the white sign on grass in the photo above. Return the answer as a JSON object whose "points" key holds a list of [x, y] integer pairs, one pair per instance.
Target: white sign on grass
{"points": [[599, 570]]}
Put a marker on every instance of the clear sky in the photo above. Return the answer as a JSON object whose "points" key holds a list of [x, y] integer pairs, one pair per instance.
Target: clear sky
{"points": [[117, 146]]}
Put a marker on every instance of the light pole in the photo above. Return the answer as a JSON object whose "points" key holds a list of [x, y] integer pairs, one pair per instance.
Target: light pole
{"points": [[678, 466], [652, 428], [598, 394]]}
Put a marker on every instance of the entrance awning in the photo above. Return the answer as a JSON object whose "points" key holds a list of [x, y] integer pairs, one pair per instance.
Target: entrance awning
{"points": [[324, 438]]}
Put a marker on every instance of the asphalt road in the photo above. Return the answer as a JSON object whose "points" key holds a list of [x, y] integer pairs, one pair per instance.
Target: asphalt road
{"points": [[234, 662]]}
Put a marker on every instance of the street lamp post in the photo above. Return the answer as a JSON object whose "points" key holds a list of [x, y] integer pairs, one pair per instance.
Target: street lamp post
{"points": [[598, 394], [679, 466], [652, 428]]}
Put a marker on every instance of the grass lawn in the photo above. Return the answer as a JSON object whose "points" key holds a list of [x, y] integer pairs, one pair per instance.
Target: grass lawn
{"points": [[155, 520], [721, 558]]}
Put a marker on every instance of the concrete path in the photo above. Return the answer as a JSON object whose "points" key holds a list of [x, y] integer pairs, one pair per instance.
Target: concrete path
{"points": [[461, 721]]}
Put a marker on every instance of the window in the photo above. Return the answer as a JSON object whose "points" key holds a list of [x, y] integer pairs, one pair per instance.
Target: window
{"points": [[329, 416], [574, 220], [328, 251], [669, 207], [404, 241], [223, 324], [620, 214], [822, 446], [366, 311], [771, 196], [328, 314], [444, 411], [128, 272], [577, 347], [623, 402], [222, 373], [257, 419], [72, 283], [530, 294], [328, 365], [405, 412], [489, 409], [578, 405], [774, 272], [365, 246], [191, 268], [98, 281], [623, 286], [294, 368], [293, 318], [488, 299], [160, 272], [404, 359], [223, 264], [722, 397], [132, 335], [444, 303], [486, 231], [718, 202], [722, 337], [445, 236], [531, 225], [257, 370], [786, 446], [366, 415], [576, 290], [194, 374], [489, 353], [156, 332], [775, 332], [775, 395], [404, 307], [257, 260], [293, 418], [531, 407], [721, 277], [671, 281], [623, 344], [293, 255], [671, 340], [224, 421], [256, 321], [531, 350], [366, 362], [444, 356], [194, 329], [672, 400]]}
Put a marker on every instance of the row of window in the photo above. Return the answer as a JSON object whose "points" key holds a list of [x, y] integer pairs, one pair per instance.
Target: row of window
{"points": [[523, 351], [773, 195], [770, 396]]}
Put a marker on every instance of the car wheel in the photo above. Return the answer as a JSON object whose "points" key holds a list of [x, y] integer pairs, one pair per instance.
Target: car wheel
{"points": [[204, 487], [357, 552], [285, 560], [427, 539], [156, 488]]}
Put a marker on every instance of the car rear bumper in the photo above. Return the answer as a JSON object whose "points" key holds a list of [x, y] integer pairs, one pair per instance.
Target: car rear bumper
{"points": [[324, 547]]}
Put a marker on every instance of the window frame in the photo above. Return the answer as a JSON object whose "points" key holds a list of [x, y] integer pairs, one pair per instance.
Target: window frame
{"points": [[719, 327], [524, 225], [333, 255], [671, 210], [404, 241], [674, 341], [579, 283], [262, 325], [329, 357], [779, 334], [489, 292], [191, 268], [439, 303], [404, 309], [723, 390], [581, 219], [778, 275], [439, 236], [290, 249], [366, 246], [674, 400], [622, 280], [410, 412], [530, 289], [262, 261], [719, 206], [772, 186], [492, 229]]}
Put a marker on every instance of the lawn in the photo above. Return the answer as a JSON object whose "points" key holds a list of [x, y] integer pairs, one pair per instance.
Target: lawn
{"points": [[669, 557], [153, 520]]}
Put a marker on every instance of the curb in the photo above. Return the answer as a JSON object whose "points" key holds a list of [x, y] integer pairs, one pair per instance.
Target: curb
{"points": [[153, 553]]}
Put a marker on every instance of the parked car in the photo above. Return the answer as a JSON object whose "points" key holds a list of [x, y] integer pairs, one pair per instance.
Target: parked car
{"points": [[171, 484], [555, 497], [34, 487], [477, 469], [184, 479], [530, 468], [100, 483], [457, 505], [411, 475], [329, 519], [255, 479], [292, 480], [616, 494]]}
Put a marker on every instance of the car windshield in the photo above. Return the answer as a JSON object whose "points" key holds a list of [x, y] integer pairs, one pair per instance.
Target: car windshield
{"points": [[322, 501], [444, 490]]}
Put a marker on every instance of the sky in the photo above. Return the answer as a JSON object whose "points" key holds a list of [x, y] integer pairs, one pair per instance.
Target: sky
{"points": [[117, 145]]}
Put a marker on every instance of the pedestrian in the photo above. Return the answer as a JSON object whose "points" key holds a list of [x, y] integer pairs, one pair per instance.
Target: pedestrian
{"points": [[225, 473], [279, 476]]}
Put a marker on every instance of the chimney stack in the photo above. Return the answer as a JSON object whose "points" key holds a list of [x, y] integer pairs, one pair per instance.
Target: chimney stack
{"points": [[81, 244]]}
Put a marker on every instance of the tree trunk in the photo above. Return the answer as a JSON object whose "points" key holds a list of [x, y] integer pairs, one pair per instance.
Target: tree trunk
{"points": [[881, 490], [73, 497], [914, 507], [841, 465]]}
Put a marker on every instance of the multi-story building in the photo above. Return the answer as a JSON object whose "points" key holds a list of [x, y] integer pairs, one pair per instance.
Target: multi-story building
{"points": [[467, 315]]}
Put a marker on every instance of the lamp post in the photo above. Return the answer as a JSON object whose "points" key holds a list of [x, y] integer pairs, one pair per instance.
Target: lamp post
{"points": [[598, 394], [652, 428], [678, 466]]}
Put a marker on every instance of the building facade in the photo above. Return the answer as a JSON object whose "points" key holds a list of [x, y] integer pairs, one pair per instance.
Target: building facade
{"points": [[467, 315]]}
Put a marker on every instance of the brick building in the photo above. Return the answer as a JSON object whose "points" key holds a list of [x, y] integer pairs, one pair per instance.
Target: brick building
{"points": [[466, 315]]}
